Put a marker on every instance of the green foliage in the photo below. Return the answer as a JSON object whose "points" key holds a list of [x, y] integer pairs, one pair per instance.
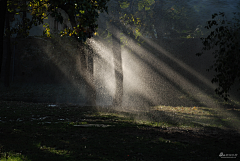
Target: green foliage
{"points": [[152, 17], [85, 12], [83, 15], [38, 10], [224, 41], [145, 4]]}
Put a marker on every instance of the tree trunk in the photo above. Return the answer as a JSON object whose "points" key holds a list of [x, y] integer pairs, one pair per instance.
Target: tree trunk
{"points": [[24, 17], [117, 56], [115, 30], [91, 91], [9, 54], [86, 60], [2, 22]]}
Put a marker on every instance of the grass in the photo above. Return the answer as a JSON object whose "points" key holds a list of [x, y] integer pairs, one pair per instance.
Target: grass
{"points": [[37, 131]]}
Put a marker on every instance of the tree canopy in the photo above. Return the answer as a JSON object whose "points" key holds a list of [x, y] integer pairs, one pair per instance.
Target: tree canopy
{"points": [[155, 18], [82, 14]]}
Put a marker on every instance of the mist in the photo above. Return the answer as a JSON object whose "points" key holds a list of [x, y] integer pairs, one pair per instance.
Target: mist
{"points": [[159, 40], [164, 70]]}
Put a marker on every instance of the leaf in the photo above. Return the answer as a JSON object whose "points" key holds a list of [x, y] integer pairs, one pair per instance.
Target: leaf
{"points": [[214, 15]]}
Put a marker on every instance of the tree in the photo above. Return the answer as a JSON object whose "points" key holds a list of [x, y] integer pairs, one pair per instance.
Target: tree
{"points": [[3, 13], [114, 24], [224, 39], [117, 56], [12, 8], [82, 14]]}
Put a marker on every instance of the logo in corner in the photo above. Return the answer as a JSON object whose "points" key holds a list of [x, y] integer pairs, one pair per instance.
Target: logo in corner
{"points": [[222, 155]]}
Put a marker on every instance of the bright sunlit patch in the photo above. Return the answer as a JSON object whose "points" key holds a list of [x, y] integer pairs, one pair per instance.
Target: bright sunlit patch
{"points": [[53, 150], [10, 156]]}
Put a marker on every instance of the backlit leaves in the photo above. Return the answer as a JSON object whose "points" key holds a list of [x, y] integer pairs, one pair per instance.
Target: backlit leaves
{"points": [[47, 30], [124, 5], [85, 11], [145, 4]]}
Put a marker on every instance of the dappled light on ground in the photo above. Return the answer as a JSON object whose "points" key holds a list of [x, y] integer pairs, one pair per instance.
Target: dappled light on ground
{"points": [[105, 133]]}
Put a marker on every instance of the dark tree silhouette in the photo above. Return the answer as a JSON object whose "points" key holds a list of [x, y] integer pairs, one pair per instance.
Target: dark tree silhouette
{"points": [[224, 39], [3, 13]]}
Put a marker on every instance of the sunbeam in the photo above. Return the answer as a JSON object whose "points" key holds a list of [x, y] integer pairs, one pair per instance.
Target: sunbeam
{"points": [[152, 79], [123, 79]]}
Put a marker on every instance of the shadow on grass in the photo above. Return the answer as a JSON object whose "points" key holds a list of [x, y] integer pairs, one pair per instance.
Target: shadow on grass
{"points": [[40, 132]]}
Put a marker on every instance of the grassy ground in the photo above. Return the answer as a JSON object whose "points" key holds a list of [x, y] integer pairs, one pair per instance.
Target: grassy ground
{"points": [[38, 131]]}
